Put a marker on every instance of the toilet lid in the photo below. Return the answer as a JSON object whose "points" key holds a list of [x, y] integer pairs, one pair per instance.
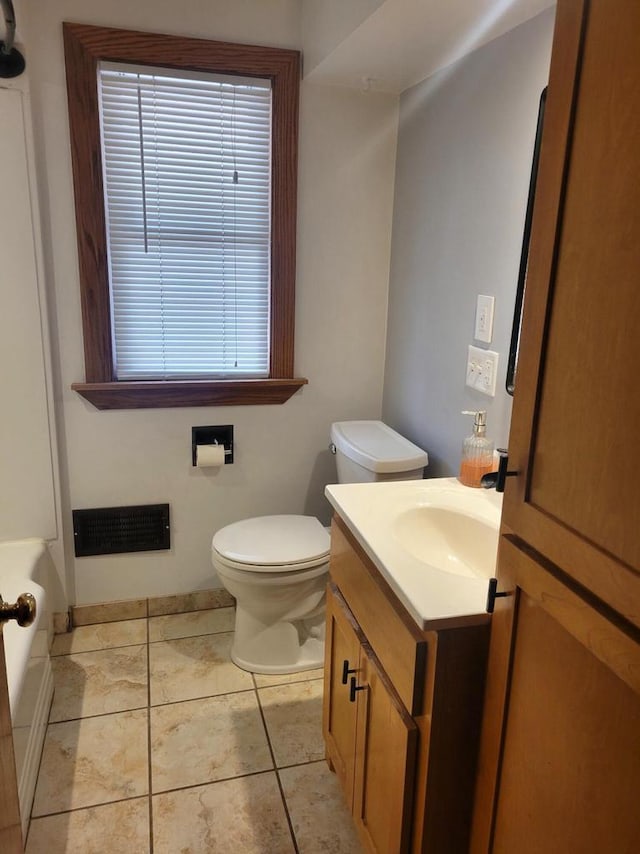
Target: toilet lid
{"points": [[273, 542]]}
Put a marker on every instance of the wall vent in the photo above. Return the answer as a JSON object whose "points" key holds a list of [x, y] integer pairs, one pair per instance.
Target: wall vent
{"points": [[113, 530]]}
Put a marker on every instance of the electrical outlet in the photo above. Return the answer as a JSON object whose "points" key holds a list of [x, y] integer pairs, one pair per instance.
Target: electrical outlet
{"points": [[484, 318], [482, 370]]}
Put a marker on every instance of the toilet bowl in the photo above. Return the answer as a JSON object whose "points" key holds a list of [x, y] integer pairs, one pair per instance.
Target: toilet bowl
{"points": [[277, 567]]}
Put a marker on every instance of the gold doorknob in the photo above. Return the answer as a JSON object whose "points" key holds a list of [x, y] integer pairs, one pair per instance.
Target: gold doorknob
{"points": [[23, 612]]}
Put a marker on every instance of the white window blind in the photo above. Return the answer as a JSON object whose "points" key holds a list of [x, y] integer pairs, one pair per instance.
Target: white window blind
{"points": [[187, 172]]}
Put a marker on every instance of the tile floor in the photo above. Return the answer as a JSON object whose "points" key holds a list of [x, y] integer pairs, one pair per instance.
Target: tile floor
{"points": [[158, 743]]}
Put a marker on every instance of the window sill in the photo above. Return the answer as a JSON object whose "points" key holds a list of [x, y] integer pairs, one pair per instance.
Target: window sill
{"points": [[159, 394]]}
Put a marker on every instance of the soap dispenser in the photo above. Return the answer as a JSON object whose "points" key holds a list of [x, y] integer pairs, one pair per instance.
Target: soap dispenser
{"points": [[477, 452]]}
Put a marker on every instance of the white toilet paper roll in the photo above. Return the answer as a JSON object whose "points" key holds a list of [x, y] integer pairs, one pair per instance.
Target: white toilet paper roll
{"points": [[209, 456]]}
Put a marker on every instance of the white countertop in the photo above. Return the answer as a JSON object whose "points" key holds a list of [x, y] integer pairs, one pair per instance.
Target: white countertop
{"points": [[433, 596]]}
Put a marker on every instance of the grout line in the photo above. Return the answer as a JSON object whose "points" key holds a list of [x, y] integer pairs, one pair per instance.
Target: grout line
{"points": [[147, 616], [98, 715], [76, 626], [137, 643], [300, 764], [205, 697], [214, 782], [88, 807], [190, 637], [273, 759], [178, 789], [286, 684], [95, 649], [191, 611]]}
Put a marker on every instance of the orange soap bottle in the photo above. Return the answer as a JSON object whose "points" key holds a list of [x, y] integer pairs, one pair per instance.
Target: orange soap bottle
{"points": [[477, 452]]}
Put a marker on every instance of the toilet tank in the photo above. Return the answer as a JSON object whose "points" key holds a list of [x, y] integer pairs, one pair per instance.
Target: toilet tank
{"points": [[369, 451]]}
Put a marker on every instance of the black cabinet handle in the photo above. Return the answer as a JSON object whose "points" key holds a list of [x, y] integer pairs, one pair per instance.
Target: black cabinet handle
{"points": [[346, 671], [353, 688], [492, 595], [496, 479]]}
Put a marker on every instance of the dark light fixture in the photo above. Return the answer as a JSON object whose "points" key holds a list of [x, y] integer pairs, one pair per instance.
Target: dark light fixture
{"points": [[12, 62]]}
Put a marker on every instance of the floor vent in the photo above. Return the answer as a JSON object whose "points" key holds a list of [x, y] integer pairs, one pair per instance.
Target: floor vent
{"points": [[113, 530]]}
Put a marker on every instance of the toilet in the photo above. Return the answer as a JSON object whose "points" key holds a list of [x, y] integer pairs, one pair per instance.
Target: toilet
{"points": [[277, 567]]}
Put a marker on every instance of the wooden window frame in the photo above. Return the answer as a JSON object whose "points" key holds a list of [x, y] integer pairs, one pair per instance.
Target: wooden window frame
{"points": [[85, 46]]}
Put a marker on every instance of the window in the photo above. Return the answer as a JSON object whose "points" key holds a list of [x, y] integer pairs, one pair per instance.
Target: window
{"points": [[184, 160], [187, 178]]}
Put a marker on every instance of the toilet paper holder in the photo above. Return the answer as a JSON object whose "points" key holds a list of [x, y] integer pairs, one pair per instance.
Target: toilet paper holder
{"points": [[220, 435]]}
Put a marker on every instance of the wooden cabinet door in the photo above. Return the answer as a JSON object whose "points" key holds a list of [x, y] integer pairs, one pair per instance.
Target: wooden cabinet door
{"points": [[343, 641], [385, 762], [560, 757], [576, 416]]}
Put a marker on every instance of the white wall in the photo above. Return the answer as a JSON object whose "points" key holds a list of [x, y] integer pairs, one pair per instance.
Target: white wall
{"points": [[27, 505], [347, 151], [464, 159], [29, 472]]}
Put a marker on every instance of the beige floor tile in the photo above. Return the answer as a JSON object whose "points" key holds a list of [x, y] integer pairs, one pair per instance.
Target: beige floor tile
{"points": [[293, 714], [241, 816], [205, 740], [319, 814], [97, 830], [93, 761], [191, 624], [264, 681], [97, 683], [101, 636], [187, 668]]}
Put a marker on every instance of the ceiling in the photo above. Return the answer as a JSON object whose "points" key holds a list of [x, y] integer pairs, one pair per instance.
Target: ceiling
{"points": [[405, 41]]}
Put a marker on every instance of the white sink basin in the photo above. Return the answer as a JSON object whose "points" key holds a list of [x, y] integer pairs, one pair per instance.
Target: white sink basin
{"points": [[434, 541], [448, 540]]}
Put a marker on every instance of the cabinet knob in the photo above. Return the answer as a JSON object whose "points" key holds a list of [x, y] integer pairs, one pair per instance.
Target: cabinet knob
{"points": [[353, 688], [346, 671]]}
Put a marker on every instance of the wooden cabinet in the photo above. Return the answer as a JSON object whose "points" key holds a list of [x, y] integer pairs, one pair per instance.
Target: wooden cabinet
{"points": [[570, 741], [342, 659], [559, 766], [371, 738], [401, 711]]}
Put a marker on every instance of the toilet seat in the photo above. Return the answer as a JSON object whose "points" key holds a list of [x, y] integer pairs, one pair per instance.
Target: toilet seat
{"points": [[271, 570], [272, 544], [276, 576]]}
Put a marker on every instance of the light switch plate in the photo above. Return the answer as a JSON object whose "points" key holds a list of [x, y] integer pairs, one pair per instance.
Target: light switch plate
{"points": [[484, 318], [482, 369]]}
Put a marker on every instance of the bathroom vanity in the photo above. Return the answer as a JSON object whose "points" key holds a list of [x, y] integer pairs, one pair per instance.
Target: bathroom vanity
{"points": [[404, 684]]}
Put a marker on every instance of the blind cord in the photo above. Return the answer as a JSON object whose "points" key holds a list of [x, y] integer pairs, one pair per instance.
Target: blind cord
{"points": [[159, 230], [144, 187], [235, 227]]}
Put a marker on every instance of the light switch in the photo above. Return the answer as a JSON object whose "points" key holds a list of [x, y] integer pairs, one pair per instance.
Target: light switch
{"points": [[482, 369], [484, 318]]}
